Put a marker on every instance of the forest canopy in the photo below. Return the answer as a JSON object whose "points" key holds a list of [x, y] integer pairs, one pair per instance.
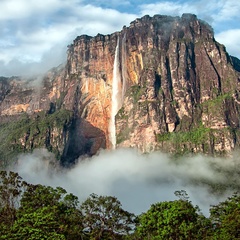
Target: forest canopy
{"points": [[29, 211]]}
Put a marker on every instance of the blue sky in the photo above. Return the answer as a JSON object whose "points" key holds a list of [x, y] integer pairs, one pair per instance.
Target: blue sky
{"points": [[34, 34]]}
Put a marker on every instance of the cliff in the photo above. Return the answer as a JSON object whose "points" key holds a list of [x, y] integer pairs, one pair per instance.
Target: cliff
{"points": [[161, 83]]}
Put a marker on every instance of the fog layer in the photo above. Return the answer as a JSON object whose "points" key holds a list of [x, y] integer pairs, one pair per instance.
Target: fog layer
{"points": [[137, 180]]}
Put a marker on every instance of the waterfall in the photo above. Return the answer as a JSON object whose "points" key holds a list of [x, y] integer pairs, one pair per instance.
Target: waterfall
{"points": [[116, 96], [124, 67]]}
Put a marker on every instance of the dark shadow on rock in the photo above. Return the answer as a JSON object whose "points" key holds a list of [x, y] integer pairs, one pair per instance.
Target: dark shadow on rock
{"points": [[84, 140], [236, 63]]}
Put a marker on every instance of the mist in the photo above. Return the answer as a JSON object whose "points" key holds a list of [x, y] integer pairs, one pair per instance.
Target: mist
{"points": [[137, 180], [55, 56]]}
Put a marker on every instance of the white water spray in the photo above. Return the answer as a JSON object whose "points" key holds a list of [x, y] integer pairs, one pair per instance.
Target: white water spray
{"points": [[116, 96], [124, 66]]}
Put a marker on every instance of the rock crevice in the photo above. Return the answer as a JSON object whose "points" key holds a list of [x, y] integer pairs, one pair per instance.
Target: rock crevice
{"points": [[179, 91]]}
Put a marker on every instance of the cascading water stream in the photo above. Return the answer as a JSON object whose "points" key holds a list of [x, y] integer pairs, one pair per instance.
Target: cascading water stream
{"points": [[124, 68], [116, 96]]}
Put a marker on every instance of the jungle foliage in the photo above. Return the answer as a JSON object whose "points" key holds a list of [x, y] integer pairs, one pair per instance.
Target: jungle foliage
{"points": [[28, 132], [34, 212]]}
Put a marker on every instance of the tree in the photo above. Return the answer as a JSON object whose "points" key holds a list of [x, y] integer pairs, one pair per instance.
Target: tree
{"points": [[226, 218], [47, 213], [37, 225], [11, 188], [104, 218], [177, 219]]}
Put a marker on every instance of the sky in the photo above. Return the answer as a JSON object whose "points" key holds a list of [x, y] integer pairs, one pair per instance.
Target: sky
{"points": [[34, 34]]}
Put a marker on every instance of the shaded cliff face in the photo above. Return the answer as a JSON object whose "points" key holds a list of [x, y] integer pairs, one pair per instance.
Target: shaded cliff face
{"points": [[173, 86], [34, 115]]}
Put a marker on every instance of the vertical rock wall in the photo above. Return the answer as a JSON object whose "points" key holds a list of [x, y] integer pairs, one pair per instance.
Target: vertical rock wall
{"points": [[174, 78], [179, 92]]}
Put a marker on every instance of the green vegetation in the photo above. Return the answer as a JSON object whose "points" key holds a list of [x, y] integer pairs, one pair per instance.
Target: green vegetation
{"points": [[177, 219], [59, 101], [136, 91], [123, 135], [34, 212], [28, 132], [121, 114], [226, 218], [43, 213], [214, 104], [195, 136], [104, 217], [199, 138]]}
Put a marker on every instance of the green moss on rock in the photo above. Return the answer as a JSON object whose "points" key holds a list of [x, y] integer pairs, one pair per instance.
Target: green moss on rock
{"points": [[29, 132]]}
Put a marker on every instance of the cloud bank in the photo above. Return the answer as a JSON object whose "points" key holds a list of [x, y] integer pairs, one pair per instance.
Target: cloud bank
{"points": [[223, 15], [32, 31], [137, 180], [35, 34]]}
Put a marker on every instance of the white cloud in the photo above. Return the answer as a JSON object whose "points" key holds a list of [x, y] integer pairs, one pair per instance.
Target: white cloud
{"points": [[215, 10], [219, 13], [31, 28], [231, 39], [228, 10], [109, 4], [166, 8], [136, 180], [20, 9]]}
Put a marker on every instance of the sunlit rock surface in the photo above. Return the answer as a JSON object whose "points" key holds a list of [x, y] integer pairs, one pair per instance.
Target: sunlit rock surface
{"points": [[178, 88]]}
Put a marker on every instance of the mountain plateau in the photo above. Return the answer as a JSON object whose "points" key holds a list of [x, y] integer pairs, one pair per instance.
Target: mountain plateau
{"points": [[162, 83]]}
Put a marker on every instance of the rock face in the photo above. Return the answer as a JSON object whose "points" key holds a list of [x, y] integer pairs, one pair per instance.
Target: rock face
{"points": [[174, 87], [186, 88]]}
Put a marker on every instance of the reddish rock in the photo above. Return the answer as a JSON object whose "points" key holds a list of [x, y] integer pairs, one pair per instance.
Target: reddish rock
{"points": [[174, 79]]}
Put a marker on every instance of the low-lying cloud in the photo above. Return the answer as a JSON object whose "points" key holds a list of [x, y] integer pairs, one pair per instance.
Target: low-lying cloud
{"points": [[137, 180]]}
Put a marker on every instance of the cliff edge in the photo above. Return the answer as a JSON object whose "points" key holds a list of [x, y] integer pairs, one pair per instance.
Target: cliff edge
{"points": [[162, 83]]}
